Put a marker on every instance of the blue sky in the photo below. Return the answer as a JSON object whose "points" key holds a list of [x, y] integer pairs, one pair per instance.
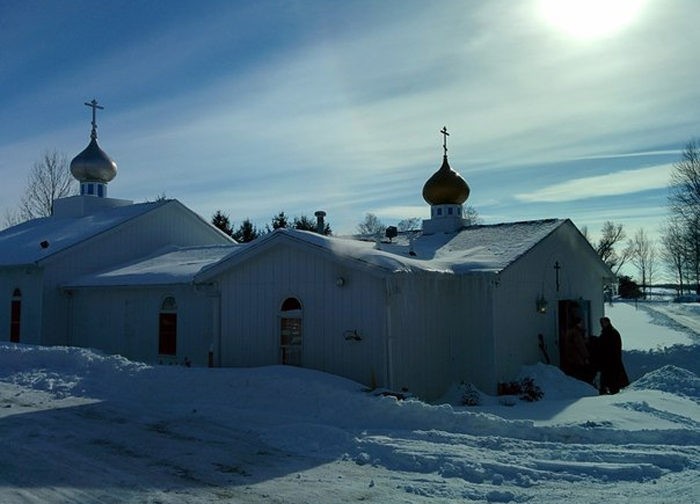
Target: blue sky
{"points": [[258, 107]]}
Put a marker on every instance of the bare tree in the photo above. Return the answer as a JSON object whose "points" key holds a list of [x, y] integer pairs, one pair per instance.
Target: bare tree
{"points": [[673, 252], [412, 224], [643, 257], [685, 183], [371, 225], [11, 218], [611, 236], [48, 180], [684, 200], [471, 216]]}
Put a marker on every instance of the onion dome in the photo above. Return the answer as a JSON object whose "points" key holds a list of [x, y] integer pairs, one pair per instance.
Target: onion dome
{"points": [[445, 187], [93, 164]]}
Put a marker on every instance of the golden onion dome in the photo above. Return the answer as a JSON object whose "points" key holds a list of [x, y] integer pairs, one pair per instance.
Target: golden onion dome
{"points": [[445, 187], [93, 164]]}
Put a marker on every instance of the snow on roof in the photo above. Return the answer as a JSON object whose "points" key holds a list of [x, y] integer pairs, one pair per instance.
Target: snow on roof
{"points": [[475, 249], [171, 265], [37, 239]]}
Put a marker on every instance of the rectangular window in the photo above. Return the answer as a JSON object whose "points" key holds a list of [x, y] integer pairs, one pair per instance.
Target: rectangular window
{"points": [[100, 190], [167, 334], [91, 189]]}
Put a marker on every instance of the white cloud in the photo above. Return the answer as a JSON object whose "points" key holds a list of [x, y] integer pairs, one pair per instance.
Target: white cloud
{"points": [[622, 182]]}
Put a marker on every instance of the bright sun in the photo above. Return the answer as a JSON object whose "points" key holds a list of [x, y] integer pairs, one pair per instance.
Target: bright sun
{"points": [[590, 19]]}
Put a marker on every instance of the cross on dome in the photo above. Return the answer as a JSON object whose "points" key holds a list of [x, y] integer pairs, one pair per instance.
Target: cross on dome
{"points": [[93, 104], [445, 134], [93, 167]]}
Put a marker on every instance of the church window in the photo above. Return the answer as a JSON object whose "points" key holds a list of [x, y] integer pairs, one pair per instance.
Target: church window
{"points": [[290, 332], [15, 315], [449, 211], [439, 211], [100, 190], [167, 327], [91, 189]]}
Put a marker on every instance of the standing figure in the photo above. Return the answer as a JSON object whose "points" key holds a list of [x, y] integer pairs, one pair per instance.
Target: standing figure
{"points": [[613, 376], [576, 356]]}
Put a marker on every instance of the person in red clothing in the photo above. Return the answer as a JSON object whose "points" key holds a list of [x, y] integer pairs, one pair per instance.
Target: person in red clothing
{"points": [[613, 376]]}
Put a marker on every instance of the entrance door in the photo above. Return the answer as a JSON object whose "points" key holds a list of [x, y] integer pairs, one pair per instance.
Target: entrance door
{"points": [[569, 311], [290, 332]]}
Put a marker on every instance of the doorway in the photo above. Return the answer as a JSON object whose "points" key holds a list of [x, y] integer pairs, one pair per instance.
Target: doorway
{"points": [[290, 332]]}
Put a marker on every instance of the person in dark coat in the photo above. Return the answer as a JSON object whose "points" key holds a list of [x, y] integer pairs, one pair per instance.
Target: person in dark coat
{"points": [[576, 358], [613, 376]]}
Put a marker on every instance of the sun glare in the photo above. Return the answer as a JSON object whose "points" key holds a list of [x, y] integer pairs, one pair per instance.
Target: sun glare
{"points": [[590, 19]]}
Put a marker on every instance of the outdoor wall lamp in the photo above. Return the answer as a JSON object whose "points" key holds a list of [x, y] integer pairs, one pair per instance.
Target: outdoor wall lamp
{"points": [[541, 304]]}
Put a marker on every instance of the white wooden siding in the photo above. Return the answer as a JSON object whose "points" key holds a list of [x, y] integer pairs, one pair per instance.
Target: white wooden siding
{"points": [[170, 224], [125, 321], [29, 280], [518, 323], [253, 291]]}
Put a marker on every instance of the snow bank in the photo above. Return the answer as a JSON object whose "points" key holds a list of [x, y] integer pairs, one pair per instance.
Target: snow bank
{"points": [[670, 379], [64, 371]]}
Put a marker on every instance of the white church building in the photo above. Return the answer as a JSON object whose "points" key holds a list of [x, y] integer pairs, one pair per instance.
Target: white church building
{"points": [[418, 312]]}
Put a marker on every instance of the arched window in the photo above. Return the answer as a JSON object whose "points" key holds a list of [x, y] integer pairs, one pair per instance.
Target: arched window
{"points": [[290, 332], [167, 327], [15, 315]]}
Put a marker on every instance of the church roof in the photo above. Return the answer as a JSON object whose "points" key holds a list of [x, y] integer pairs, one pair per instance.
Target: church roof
{"points": [[475, 249], [33, 241], [171, 265]]}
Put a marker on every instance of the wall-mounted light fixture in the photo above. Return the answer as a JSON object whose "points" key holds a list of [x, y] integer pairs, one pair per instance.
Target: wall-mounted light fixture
{"points": [[340, 281], [541, 304], [352, 335]]}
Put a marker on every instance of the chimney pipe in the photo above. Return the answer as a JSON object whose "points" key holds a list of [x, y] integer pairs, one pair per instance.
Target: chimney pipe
{"points": [[320, 224]]}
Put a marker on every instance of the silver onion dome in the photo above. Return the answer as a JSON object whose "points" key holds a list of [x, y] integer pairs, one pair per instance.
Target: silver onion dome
{"points": [[93, 164]]}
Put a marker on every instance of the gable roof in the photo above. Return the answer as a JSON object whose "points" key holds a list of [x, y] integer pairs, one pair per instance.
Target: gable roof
{"points": [[35, 240], [170, 265], [475, 249]]}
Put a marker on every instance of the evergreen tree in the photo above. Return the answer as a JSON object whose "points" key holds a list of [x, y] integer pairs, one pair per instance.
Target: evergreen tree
{"points": [[628, 288], [221, 221], [246, 232], [280, 221], [305, 223]]}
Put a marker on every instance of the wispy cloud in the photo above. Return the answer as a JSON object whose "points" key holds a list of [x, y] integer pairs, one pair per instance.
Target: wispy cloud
{"points": [[622, 182]]}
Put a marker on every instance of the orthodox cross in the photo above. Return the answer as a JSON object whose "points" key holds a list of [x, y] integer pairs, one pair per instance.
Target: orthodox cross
{"points": [[445, 134], [93, 104], [557, 267]]}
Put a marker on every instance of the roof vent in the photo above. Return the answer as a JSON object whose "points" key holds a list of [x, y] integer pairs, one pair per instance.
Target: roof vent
{"points": [[320, 224]]}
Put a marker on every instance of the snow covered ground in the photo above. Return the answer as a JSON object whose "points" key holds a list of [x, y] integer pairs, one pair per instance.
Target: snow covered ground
{"points": [[79, 426]]}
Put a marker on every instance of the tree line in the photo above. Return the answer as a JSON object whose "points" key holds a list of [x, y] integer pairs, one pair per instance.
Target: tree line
{"points": [[678, 252], [247, 231]]}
